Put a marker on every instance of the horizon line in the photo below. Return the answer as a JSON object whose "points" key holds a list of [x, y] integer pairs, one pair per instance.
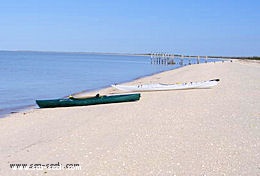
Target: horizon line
{"points": [[120, 53]]}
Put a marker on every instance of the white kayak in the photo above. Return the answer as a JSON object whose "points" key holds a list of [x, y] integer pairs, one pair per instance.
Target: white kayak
{"points": [[161, 87]]}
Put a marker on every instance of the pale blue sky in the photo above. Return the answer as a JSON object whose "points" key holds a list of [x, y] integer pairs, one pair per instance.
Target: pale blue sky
{"points": [[196, 27]]}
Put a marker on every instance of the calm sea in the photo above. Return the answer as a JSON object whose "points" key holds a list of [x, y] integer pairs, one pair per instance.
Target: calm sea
{"points": [[27, 76]]}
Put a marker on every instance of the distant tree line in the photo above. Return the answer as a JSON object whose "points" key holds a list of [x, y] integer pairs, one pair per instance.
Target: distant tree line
{"points": [[249, 58]]}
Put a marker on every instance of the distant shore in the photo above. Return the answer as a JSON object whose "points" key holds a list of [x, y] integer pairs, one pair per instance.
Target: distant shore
{"points": [[79, 52], [137, 54]]}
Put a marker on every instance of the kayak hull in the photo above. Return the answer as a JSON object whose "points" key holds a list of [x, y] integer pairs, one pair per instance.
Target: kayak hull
{"points": [[164, 87], [67, 102]]}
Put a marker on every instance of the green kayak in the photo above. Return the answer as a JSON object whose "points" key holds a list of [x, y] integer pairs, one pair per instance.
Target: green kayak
{"points": [[71, 101]]}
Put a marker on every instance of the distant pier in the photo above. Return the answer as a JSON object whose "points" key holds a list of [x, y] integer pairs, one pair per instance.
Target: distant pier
{"points": [[171, 59], [165, 59]]}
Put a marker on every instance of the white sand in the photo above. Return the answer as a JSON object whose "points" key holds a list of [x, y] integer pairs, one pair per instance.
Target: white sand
{"points": [[193, 132]]}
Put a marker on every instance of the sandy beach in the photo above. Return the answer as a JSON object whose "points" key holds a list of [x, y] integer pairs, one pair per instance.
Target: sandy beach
{"points": [[186, 132]]}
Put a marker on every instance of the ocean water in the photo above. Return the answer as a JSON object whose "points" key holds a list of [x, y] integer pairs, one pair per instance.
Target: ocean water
{"points": [[27, 76]]}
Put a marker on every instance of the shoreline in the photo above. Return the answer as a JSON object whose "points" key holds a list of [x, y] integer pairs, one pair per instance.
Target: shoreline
{"points": [[186, 132], [31, 107], [95, 91], [34, 106]]}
